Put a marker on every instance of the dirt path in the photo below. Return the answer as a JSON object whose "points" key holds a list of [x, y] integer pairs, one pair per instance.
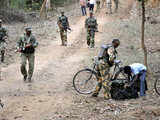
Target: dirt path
{"points": [[51, 93]]}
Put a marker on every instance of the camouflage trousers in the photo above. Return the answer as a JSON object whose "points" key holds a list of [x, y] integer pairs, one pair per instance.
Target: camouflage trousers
{"points": [[90, 38], [30, 58], [2, 46], [103, 79], [63, 34], [2, 50]]}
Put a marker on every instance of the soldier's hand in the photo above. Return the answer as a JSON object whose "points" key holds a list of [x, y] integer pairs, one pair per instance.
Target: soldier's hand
{"points": [[28, 45], [19, 50]]}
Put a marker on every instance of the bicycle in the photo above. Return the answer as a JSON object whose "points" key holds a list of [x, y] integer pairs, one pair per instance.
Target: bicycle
{"points": [[85, 80], [157, 85]]}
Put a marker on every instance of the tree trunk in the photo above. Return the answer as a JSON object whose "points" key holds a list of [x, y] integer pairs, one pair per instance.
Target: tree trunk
{"points": [[142, 37]]}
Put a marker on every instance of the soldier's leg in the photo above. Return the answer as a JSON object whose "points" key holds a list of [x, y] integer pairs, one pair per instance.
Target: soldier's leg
{"points": [[61, 34], [2, 50], [65, 37], [105, 79], [31, 58], [99, 85], [88, 38], [92, 40], [23, 65], [2, 55]]}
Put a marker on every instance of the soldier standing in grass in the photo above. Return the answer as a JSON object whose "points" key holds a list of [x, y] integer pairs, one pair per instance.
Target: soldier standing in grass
{"points": [[63, 26], [26, 46]]}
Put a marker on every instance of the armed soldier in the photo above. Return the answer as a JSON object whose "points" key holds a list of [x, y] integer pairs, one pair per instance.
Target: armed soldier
{"points": [[91, 26], [3, 37], [63, 26], [26, 46], [106, 58]]}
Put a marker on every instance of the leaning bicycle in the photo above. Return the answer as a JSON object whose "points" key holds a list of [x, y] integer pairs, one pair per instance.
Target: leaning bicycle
{"points": [[85, 80]]}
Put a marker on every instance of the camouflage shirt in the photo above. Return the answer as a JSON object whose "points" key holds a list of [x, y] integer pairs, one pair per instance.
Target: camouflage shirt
{"points": [[24, 40], [91, 23], [108, 54], [63, 22]]}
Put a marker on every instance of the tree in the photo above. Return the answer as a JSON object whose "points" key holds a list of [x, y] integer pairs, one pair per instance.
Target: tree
{"points": [[143, 31]]}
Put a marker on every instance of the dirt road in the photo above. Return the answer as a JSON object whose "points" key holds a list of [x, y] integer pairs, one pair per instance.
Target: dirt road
{"points": [[50, 96]]}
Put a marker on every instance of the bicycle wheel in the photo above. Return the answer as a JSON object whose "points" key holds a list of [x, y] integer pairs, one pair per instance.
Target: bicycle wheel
{"points": [[157, 86], [85, 81]]}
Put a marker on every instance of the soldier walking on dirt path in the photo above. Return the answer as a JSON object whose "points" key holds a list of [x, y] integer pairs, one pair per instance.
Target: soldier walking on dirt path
{"points": [[91, 26], [3, 37], [98, 2], [26, 46], [109, 6], [106, 58], [63, 26]]}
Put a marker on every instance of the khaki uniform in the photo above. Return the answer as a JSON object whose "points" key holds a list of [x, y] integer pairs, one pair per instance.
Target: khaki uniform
{"points": [[91, 26], [27, 54], [103, 69], [3, 33], [63, 26]]}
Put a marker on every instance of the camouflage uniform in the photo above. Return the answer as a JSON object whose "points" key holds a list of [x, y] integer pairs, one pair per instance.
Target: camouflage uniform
{"points": [[91, 26], [63, 26], [3, 33], [27, 54], [98, 5], [103, 68]]}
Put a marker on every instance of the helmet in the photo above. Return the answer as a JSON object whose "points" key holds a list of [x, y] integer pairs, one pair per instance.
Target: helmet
{"points": [[0, 21], [28, 29]]}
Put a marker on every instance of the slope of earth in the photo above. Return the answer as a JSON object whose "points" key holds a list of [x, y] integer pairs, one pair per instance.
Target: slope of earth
{"points": [[51, 96]]}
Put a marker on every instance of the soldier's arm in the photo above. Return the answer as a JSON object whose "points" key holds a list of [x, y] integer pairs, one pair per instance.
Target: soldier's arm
{"points": [[19, 42], [111, 54], [86, 23], [67, 22], [34, 42], [96, 25]]}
